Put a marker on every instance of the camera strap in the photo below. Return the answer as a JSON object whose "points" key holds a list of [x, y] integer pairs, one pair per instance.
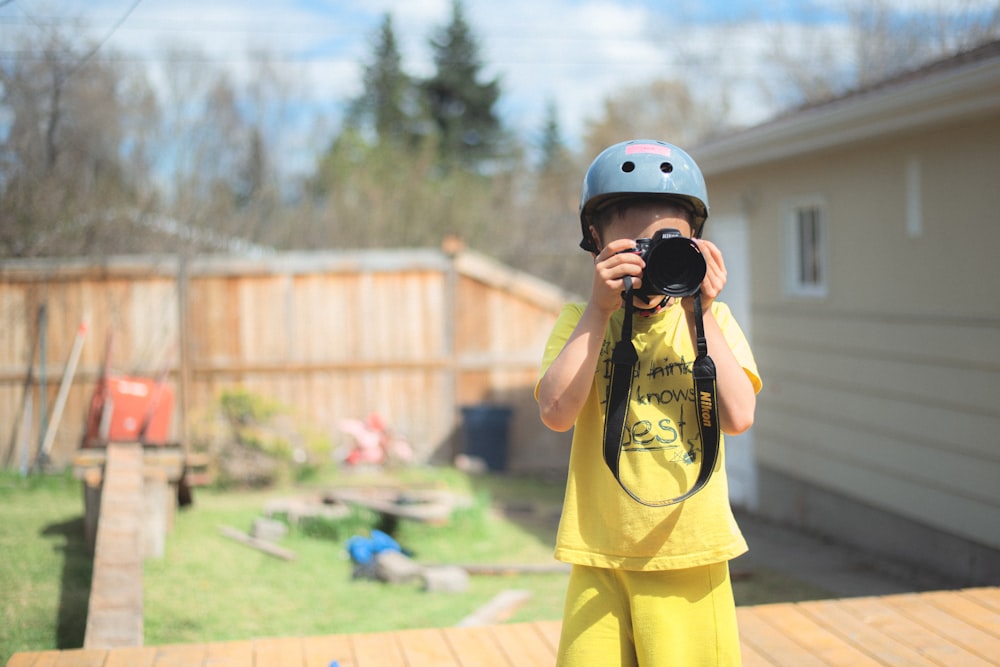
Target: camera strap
{"points": [[623, 362]]}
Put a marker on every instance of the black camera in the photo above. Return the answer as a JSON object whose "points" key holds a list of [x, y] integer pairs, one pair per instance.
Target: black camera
{"points": [[674, 264]]}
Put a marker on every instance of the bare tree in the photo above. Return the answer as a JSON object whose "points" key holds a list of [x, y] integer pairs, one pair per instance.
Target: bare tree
{"points": [[216, 146], [660, 109], [879, 41], [66, 164]]}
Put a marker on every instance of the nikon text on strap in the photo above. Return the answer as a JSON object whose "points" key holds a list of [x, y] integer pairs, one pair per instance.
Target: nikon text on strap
{"points": [[623, 361]]}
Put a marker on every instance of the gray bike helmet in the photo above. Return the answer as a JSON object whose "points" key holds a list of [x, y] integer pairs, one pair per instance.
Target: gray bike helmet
{"points": [[645, 168]]}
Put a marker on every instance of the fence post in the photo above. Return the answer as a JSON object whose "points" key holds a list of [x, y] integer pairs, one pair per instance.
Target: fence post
{"points": [[184, 355], [452, 247]]}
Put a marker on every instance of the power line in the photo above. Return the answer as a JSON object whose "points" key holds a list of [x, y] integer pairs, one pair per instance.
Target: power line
{"points": [[101, 43], [79, 62]]}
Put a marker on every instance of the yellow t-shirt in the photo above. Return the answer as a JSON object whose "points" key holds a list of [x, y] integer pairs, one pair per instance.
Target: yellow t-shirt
{"points": [[601, 526]]}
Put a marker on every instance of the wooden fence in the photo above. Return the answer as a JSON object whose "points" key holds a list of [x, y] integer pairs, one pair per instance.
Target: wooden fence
{"points": [[413, 335]]}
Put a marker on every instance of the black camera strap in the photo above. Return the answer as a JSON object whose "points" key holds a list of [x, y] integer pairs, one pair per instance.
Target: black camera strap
{"points": [[623, 361]]}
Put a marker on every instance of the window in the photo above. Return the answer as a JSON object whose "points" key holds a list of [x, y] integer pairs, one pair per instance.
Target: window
{"points": [[806, 260]]}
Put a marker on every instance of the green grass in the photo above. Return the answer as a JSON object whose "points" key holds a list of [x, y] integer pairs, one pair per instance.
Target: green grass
{"points": [[44, 568], [210, 588]]}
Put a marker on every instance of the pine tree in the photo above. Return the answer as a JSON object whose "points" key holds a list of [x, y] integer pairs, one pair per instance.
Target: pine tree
{"points": [[387, 104], [461, 107], [552, 147]]}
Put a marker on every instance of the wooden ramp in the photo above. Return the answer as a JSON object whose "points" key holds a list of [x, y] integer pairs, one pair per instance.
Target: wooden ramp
{"points": [[114, 613], [939, 629]]}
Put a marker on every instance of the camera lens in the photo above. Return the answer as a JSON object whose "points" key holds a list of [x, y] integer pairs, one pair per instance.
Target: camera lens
{"points": [[675, 267]]}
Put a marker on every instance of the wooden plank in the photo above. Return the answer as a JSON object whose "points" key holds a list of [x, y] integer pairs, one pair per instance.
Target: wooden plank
{"points": [[968, 609], [830, 648], [476, 647], [431, 506], [750, 657], [920, 608], [40, 659], [115, 608], [180, 655], [25, 659], [891, 621], [524, 644], [499, 609], [771, 642], [75, 658], [72, 658], [264, 546], [505, 569], [988, 597], [325, 651], [134, 656], [917, 630], [279, 652], [377, 649], [229, 654], [550, 631], [865, 636], [426, 648]]}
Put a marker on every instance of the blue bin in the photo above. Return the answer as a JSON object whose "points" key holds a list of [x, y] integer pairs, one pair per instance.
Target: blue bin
{"points": [[485, 430]]}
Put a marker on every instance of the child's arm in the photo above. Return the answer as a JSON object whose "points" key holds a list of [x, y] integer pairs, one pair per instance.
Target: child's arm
{"points": [[737, 399], [564, 388]]}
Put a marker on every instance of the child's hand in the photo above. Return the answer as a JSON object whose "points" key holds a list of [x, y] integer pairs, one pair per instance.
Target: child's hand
{"points": [[610, 268], [715, 276]]}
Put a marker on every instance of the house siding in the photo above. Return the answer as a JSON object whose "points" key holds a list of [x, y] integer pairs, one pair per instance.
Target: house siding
{"points": [[882, 392]]}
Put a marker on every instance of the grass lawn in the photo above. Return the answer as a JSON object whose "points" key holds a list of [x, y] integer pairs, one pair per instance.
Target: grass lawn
{"points": [[44, 568], [211, 588]]}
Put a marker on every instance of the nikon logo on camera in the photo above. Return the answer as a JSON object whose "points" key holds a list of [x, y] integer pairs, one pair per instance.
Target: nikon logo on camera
{"points": [[705, 401]]}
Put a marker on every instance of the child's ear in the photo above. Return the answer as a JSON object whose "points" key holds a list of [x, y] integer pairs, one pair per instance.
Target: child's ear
{"points": [[596, 238]]}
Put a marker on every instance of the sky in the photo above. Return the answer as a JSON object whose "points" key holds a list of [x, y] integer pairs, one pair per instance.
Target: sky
{"points": [[574, 53]]}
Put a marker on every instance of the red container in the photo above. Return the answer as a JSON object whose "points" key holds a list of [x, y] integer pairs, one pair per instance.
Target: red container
{"points": [[123, 405]]}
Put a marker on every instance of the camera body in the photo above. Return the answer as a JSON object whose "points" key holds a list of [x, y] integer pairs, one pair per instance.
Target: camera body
{"points": [[674, 264]]}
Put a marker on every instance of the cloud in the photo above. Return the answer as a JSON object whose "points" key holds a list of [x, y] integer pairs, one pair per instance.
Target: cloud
{"points": [[934, 6], [572, 52]]}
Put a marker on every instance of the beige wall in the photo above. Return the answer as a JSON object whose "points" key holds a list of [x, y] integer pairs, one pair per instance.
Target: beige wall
{"points": [[885, 390]]}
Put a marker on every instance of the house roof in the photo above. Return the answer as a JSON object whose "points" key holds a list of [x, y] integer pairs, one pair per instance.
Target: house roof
{"points": [[963, 86]]}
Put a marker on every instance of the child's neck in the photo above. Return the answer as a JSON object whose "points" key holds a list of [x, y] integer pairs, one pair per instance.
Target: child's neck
{"points": [[649, 311]]}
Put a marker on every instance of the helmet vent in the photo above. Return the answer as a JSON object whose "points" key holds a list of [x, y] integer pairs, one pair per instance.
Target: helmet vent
{"points": [[628, 167], [666, 167]]}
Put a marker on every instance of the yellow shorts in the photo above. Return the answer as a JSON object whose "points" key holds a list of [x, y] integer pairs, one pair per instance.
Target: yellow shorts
{"points": [[667, 617]]}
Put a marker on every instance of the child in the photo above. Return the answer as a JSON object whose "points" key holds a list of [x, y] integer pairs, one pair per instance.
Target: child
{"points": [[649, 585]]}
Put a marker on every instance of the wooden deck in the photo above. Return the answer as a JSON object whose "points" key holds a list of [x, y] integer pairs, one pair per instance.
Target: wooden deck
{"points": [[940, 629], [945, 629]]}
